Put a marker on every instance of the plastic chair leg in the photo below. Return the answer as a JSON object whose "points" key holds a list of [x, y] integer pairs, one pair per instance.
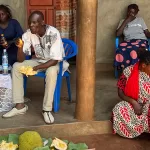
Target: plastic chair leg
{"points": [[69, 88], [57, 95], [56, 100], [25, 84]]}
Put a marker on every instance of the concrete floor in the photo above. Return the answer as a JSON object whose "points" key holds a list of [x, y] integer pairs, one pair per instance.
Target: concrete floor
{"points": [[112, 142], [95, 134], [106, 98]]}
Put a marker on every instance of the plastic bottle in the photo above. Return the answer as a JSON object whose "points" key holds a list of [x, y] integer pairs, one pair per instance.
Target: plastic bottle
{"points": [[5, 62]]}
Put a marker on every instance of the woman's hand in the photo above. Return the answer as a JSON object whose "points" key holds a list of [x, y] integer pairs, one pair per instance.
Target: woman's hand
{"points": [[4, 43], [137, 108], [130, 18], [19, 43]]}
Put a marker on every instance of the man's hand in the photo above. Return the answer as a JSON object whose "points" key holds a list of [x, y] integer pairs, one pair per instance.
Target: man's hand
{"points": [[137, 108], [45, 65], [35, 68], [19, 43]]}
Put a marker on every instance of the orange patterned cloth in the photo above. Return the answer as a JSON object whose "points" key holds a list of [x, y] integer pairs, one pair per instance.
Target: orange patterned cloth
{"points": [[125, 122]]}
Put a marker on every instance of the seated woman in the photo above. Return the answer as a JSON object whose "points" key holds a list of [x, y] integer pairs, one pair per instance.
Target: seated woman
{"points": [[135, 34], [131, 117], [11, 30]]}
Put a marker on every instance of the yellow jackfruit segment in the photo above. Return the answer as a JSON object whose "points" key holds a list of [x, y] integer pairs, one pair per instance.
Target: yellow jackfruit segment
{"points": [[8, 146], [59, 144], [27, 70]]}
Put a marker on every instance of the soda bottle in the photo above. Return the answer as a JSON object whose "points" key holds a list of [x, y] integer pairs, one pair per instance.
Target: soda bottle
{"points": [[5, 62]]}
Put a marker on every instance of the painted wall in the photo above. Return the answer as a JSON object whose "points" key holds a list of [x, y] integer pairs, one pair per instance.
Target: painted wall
{"points": [[18, 9], [110, 12]]}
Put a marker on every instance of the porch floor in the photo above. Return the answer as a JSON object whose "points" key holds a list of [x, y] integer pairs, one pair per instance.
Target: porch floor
{"points": [[113, 142], [95, 134], [106, 98]]}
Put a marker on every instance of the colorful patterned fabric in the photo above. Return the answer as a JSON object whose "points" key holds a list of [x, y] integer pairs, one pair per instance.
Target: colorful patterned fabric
{"points": [[125, 122], [126, 53], [122, 82]]}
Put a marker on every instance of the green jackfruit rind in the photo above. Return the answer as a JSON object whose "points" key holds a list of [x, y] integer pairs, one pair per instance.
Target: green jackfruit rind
{"points": [[30, 140]]}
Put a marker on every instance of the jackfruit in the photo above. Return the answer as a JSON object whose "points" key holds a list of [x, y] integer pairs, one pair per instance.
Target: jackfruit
{"points": [[30, 140]]}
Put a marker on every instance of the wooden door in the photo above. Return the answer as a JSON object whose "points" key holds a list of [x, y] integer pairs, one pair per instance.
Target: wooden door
{"points": [[47, 7]]}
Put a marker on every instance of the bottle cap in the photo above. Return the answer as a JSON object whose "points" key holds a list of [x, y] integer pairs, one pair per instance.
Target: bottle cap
{"points": [[4, 50]]}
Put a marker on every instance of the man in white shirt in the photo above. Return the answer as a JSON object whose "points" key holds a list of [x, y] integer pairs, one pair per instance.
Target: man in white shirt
{"points": [[49, 50]]}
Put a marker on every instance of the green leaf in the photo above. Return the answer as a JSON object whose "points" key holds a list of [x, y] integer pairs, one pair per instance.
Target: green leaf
{"points": [[79, 146], [66, 141], [44, 139], [49, 142], [13, 138], [42, 148], [3, 138]]}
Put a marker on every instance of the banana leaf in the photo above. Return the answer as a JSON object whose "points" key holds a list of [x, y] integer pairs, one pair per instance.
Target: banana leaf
{"points": [[3, 138], [79, 146], [13, 138], [42, 148]]}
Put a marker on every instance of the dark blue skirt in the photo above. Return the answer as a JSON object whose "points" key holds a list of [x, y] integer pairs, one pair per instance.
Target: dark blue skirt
{"points": [[126, 53]]}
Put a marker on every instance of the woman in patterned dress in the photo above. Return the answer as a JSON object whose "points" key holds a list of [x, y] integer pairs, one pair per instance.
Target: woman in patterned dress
{"points": [[135, 33], [131, 116]]}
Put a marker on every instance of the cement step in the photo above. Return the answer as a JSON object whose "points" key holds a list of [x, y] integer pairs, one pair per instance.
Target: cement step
{"points": [[96, 134]]}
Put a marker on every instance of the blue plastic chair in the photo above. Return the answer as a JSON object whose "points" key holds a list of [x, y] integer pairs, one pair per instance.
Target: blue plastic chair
{"points": [[71, 50], [117, 42]]}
